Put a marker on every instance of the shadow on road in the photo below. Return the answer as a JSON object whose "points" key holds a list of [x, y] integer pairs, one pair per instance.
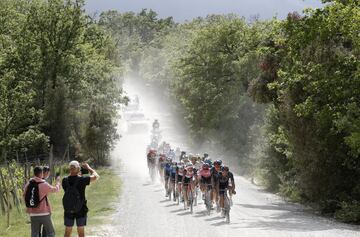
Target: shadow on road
{"points": [[287, 217], [166, 200], [220, 223], [214, 218]]}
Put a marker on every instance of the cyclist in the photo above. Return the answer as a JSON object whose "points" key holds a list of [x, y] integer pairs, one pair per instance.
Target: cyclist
{"points": [[151, 158], [167, 171], [205, 179], [214, 175], [224, 176], [185, 160], [205, 156], [188, 181], [180, 175], [151, 162], [173, 178], [183, 153], [172, 154], [161, 166], [208, 161], [197, 166], [156, 125]]}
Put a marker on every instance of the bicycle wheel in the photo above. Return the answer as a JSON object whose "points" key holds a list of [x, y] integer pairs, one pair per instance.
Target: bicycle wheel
{"points": [[227, 209], [191, 200], [185, 201], [169, 193], [195, 196], [177, 195], [152, 174], [208, 202]]}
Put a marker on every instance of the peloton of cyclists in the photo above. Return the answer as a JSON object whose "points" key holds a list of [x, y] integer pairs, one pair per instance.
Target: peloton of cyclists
{"points": [[182, 172]]}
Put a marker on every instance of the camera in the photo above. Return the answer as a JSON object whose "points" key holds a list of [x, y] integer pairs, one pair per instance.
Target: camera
{"points": [[84, 171]]}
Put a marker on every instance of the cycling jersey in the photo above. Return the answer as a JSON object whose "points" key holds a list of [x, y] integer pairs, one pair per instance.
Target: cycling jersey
{"points": [[223, 181], [188, 177], [214, 173], [173, 173], [167, 169]]}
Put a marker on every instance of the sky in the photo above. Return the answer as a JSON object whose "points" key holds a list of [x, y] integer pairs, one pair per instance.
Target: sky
{"points": [[182, 10]]}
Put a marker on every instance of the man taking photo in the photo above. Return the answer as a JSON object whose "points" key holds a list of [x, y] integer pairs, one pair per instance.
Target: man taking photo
{"points": [[74, 200]]}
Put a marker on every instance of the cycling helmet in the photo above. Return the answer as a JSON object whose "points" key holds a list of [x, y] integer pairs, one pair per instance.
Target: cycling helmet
{"points": [[208, 161], [189, 167], [206, 166], [206, 155], [219, 162]]}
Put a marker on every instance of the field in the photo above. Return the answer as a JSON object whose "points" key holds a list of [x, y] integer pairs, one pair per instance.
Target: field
{"points": [[101, 195]]}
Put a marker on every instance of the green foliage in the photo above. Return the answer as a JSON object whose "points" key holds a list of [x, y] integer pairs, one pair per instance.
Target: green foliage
{"points": [[55, 62], [134, 32], [314, 84]]}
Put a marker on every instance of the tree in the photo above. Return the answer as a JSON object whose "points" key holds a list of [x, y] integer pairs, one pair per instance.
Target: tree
{"points": [[315, 88]]}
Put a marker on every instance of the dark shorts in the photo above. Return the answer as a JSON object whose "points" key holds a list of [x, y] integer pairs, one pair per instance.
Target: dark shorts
{"points": [[222, 189], [187, 181], [80, 221], [204, 180]]}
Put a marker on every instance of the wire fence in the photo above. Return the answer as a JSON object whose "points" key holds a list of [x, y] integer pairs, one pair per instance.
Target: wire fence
{"points": [[14, 174]]}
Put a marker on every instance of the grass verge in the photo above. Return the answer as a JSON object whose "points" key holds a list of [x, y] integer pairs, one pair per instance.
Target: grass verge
{"points": [[101, 195]]}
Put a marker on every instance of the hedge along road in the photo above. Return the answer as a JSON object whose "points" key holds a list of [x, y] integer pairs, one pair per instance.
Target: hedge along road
{"points": [[144, 211]]}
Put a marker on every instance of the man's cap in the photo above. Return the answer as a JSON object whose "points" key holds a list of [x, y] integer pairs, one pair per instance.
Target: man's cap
{"points": [[74, 163]]}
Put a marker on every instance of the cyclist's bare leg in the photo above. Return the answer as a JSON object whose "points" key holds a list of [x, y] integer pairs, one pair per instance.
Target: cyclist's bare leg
{"points": [[222, 201], [185, 190]]}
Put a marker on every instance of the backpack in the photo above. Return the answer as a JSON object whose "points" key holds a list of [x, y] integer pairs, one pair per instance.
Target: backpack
{"points": [[72, 201], [32, 196]]}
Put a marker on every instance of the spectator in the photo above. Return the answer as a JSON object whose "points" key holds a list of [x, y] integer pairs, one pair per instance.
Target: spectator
{"points": [[74, 200], [46, 175], [38, 205]]}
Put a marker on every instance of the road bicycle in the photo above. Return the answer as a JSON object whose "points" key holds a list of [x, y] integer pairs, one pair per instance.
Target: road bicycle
{"points": [[178, 192], [152, 172], [190, 197], [208, 201], [171, 189], [227, 205]]}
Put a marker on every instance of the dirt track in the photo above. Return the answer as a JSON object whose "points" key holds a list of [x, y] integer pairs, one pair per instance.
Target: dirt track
{"points": [[144, 211]]}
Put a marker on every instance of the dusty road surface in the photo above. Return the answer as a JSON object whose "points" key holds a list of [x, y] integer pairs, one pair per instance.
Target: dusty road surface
{"points": [[144, 211]]}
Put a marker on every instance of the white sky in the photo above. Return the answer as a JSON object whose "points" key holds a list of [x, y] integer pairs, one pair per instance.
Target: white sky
{"points": [[183, 10]]}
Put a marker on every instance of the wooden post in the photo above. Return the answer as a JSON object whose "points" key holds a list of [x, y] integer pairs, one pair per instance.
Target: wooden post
{"points": [[17, 157], [8, 208], [51, 164], [14, 187], [5, 199], [2, 196], [25, 174], [68, 153]]}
